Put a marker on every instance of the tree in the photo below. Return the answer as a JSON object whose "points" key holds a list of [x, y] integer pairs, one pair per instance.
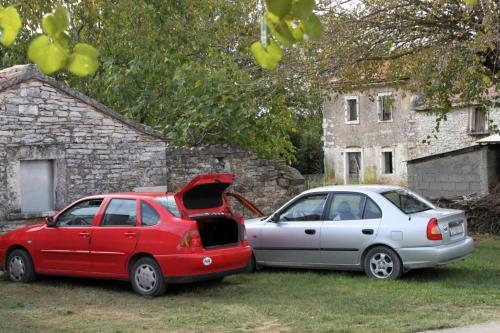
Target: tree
{"points": [[184, 67], [445, 49]]}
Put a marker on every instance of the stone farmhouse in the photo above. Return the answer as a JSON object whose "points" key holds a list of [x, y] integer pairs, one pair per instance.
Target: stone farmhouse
{"points": [[57, 145], [372, 131]]}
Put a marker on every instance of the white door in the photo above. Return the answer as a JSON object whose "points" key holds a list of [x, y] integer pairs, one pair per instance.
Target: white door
{"points": [[37, 186]]}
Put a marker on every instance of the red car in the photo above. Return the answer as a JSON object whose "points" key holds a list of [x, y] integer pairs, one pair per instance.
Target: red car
{"points": [[150, 239]]}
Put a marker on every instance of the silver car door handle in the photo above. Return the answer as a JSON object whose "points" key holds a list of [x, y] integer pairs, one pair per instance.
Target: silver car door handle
{"points": [[310, 231]]}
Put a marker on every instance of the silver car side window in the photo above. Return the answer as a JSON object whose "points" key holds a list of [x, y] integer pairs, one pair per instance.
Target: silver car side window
{"points": [[308, 208], [347, 206]]}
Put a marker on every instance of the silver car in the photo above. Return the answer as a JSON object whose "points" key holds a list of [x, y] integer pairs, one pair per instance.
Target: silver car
{"points": [[383, 230]]}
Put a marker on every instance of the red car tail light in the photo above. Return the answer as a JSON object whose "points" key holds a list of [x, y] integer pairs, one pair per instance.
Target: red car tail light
{"points": [[191, 239], [433, 232]]}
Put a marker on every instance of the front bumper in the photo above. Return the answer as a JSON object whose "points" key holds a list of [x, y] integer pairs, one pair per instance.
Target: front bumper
{"points": [[420, 257], [205, 265]]}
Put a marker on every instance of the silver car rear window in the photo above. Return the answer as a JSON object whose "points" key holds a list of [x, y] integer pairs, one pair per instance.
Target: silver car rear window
{"points": [[406, 201]]}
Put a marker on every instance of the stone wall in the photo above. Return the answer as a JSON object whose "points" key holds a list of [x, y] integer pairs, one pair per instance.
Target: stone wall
{"points": [[458, 173], [93, 149], [454, 133], [268, 184]]}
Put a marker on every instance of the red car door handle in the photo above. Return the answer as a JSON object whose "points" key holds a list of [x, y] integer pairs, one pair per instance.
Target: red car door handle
{"points": [[129, 234], [84, 234]]}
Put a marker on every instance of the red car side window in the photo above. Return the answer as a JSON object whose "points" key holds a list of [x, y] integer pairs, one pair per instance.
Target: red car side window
{"points": [[120, 212]]}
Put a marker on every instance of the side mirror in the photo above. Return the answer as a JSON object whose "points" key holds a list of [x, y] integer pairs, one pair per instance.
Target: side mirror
{"points": [[50, 222], [274, 218]]}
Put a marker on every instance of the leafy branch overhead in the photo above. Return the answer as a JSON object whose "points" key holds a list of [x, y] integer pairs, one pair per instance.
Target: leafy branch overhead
{"points": [[51, 51], [290, 22]]}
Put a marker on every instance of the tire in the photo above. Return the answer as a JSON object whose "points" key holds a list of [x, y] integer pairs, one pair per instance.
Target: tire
{"points": [[146, 278], [382, 263], [252, 265], [19, 267]]}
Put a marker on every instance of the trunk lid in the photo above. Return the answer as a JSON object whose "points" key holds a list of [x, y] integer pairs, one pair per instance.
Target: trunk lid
{"points": [[205, 195], [452, 223]]}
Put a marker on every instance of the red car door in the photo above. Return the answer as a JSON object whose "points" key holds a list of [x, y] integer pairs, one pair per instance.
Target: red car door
{"points": [[114, 237], [65, 248]]}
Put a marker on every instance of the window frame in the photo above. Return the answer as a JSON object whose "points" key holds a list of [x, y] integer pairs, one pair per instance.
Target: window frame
{"points": [[275, 217], [366, 196], [430, 205], [57, 217], [108, 202], [347, 110], [380, 97]]}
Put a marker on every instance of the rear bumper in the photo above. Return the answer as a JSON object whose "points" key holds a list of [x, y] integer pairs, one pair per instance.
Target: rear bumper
{"points": [[420, 257], [204, 277], [205, 265]]}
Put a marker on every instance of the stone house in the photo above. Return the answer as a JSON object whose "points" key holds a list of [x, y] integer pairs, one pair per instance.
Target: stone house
{"points": [[372, 131], [57, 145]]}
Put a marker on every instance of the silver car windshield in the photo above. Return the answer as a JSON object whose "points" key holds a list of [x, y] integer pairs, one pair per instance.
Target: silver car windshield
{"points": [[406, 201]]}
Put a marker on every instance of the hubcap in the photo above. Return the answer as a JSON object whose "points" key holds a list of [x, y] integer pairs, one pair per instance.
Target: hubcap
{"points": [[381, 265], [16, 268], [145, 278]]}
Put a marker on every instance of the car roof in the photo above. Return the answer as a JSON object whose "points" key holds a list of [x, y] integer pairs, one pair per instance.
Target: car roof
{"points": [[131, 195], [375, 188]]}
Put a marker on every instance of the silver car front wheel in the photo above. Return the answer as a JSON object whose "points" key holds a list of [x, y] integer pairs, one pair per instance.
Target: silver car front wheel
{"points": [[382, 263]]}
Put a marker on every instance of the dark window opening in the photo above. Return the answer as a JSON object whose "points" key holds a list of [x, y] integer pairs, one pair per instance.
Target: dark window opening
{"points": [[385, 103], [352, 110], [478, 121], [387, 162]]}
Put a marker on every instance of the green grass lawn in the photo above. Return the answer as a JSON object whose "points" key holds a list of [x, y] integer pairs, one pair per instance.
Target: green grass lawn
{"points": [[270, 300]]}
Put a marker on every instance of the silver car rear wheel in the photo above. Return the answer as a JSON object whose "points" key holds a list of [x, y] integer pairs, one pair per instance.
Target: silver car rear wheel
{"points": [[382, 263]]}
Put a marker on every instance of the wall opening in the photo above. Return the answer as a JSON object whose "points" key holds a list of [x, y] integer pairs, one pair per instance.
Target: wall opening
{"points": [[37, 186], [353, 167], [387, 165]]}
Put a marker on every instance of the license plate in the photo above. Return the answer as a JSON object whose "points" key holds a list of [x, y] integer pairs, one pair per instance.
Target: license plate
{"points": [[456, 228]]}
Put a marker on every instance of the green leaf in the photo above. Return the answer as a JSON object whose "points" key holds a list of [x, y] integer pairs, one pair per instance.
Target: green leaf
{"points": [[302, 9], [49, 25], [55, 23], [48, 56], [10, 23], [83, 61], [61, 17], [298, 34], [279, 8], [470, 2], [313, 28], [282, 33], [267, 58]]}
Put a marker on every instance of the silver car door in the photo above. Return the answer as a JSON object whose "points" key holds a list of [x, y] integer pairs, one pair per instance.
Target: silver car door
{"points": [[351, 224], [292, 237]]}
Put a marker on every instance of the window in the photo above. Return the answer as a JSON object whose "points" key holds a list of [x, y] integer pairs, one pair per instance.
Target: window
{"points": [[168, 202], [385, 106], [149, 215], [353, 206], [352, 110], [120, 212], [347, 207], [371, 210], [406, 201], [37, 186], [478, 121], [309, 208], [387, 166], [80, 215]]}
